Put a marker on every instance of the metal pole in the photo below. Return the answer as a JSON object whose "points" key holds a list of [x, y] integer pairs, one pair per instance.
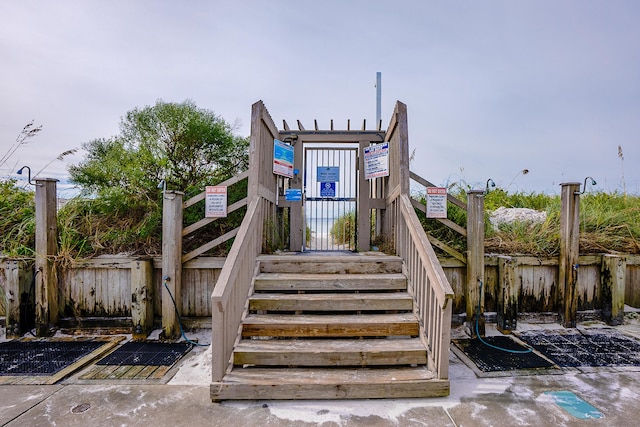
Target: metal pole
{"points": [[378, 98]]}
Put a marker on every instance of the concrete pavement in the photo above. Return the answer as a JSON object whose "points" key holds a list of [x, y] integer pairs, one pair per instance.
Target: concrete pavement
{"points": [[501, 401]]}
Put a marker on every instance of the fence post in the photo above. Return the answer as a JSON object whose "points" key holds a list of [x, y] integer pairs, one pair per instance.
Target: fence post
{"points": [[567, 297], [17, 275], [508, 291], [171, 262], [475, 260], [46, 249], [142, 298], [612, 282]]}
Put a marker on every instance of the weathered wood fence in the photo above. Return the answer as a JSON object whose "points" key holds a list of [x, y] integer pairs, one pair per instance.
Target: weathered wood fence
{"points": [[526, 287]]}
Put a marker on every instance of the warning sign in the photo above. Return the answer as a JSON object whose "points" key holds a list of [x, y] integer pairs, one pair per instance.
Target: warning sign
{"points": [[436, 202], [376, 161], [215, 201]]}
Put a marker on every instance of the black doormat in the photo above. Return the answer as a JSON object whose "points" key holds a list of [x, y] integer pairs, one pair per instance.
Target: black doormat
{"points": [[577, 349], [146, 353], [42, 357], [489, 359]]}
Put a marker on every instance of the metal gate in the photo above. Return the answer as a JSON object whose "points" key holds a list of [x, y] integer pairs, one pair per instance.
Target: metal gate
{"points": [[331, 191]]}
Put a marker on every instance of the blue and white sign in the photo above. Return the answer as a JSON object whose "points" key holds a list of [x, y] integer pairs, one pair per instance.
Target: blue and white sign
{"points": [[293, 195], [328, 173], [282, 159], [327, 189]]}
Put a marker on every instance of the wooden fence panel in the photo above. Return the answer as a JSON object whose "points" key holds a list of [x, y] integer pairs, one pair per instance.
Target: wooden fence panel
{"points": [[589, 287], [538, 288], [632, 286]]}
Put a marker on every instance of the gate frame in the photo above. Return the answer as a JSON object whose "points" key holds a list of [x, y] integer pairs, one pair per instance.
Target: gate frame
{"points": [[364, 138]]}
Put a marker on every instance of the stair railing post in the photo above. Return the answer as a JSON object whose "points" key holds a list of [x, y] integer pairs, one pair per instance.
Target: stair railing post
{"points": [[567, 289], [475, 261], [171, 262]]}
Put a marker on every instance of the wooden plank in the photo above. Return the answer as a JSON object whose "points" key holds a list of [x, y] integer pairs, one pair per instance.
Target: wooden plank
{"points": [[132, 372], [146, 372], [390, 390], [370, 325], [212, 244], [318, 352], [204, 221], [446, 248], [341, 264], [358, 383], [119, 372], [329, 281], [205, 262], [160, 372], [401, 301]]}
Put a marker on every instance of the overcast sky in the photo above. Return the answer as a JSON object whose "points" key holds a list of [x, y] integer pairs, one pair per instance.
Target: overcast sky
{"points": [[491, 87]]}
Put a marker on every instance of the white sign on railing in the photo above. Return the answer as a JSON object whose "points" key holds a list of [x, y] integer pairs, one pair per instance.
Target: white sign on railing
{"points": [[436, 202], [215, 201], [376, 161]]}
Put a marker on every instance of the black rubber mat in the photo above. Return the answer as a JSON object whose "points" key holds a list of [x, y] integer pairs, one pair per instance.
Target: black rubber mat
{"points": [[489, 359], [146, 353], [42, 357], [582, 350]]}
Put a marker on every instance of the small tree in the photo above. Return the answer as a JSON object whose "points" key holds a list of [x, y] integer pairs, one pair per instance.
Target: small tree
{"points": [[184, 145]]}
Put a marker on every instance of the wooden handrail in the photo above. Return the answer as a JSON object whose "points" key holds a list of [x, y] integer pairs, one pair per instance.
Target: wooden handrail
{"points": [[232, 288], [435, 272], [427, 283]]}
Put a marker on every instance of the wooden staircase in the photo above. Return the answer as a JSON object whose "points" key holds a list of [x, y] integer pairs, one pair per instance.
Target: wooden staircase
{"points": [[329, 327]]}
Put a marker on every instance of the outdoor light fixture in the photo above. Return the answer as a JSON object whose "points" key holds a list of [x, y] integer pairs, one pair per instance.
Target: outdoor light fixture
{"points": [[293, 138], [28, 172], [162, 185], [584, 186], [489, 182]]}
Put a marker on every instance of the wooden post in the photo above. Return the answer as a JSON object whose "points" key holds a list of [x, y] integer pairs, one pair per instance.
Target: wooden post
{"points": [[508, 291], [612, 282], [171, 262], [296, 211], [17, 277], [142, 298], [475, 260], [567, 298], [46, 248], [363, 234]]}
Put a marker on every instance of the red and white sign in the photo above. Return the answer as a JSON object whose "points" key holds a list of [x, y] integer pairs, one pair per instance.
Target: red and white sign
{"points": [[215, 201], [436, 202]]}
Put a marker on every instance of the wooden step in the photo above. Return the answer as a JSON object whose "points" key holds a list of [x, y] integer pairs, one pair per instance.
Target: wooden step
{"points": [[337, 325], [322, 383], [396, 301], [341, 264], [280, 282], [340, 352]]}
